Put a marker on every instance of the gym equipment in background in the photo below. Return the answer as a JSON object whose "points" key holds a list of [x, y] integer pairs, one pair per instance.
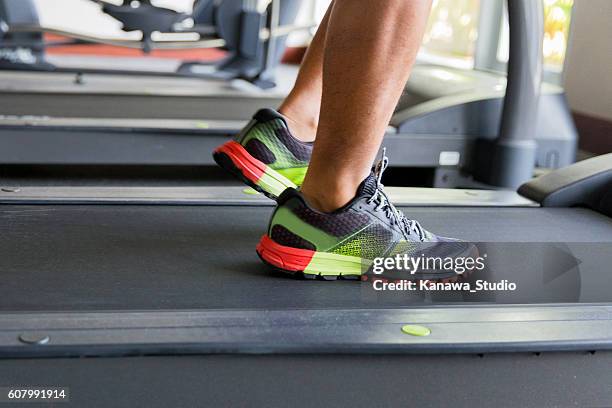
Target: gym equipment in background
{"points": [[446, 132], [21, 49], [255, 40]]}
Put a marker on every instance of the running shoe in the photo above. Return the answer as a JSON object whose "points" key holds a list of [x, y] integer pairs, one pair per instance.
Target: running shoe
{"points": [[345, 244], [265, 155]]}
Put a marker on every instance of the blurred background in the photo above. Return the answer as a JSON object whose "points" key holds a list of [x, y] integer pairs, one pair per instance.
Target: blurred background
{"points": [[99, 87], [468, 34]]}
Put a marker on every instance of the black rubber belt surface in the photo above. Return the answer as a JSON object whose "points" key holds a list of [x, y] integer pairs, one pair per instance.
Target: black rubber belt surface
{"points": [[156, 257]]}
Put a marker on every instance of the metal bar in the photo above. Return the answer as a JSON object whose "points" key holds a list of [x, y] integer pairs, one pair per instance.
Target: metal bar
{"points": [[524, 70], [270, 45], [402, 196], [509, 160], [135, 44], [141, 105], [491, 14], [122, 124], [479, 329], [282, 31]]}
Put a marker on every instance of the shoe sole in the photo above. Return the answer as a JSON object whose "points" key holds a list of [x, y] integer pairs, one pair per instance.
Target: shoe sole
{"points": [[310, 264], [234, 158]]}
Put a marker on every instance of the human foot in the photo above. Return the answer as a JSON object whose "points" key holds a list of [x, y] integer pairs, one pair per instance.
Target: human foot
{"points": [[345, 243], [265, 155]]}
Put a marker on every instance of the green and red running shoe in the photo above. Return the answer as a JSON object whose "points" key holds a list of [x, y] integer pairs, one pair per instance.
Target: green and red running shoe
{"points": [[265, 155], [345, 243]]}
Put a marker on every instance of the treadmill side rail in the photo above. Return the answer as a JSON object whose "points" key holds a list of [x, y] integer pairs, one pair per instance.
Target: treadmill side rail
{"points": [[586, 183], [481, 329], [235, 195]]}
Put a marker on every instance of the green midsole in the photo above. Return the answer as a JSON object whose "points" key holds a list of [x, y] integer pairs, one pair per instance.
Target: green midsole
{"points": [[274, 182], [328, 264], [295, 174]]}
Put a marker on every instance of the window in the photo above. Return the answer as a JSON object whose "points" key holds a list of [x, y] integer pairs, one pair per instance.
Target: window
{"points": [[475, 34], [557, 19], [452, 32]]}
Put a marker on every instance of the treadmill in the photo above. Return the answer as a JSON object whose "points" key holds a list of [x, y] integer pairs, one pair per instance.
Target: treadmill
{"points": [[442, 129], [179, 122], [42, 95], [154, 296], [124, 89]]}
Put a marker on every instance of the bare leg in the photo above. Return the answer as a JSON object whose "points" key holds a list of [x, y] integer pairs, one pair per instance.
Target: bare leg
{"points": [[303, 104], [370, 47]]}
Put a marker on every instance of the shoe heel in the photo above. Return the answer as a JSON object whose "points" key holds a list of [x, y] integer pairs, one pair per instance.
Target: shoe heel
{"points": [[310, 264], [233, 157], [286, 259]]}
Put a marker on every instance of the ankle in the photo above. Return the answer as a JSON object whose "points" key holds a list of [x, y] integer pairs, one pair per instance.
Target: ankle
{"points": [[328, 199], [302, 128]]}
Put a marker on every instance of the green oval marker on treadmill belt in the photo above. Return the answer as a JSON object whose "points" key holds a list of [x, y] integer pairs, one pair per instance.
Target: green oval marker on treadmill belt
{"points": [[416, 330], [203, 125]]}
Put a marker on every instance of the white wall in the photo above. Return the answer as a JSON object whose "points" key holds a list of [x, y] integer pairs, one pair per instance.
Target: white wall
{"points": [[588, 72]]}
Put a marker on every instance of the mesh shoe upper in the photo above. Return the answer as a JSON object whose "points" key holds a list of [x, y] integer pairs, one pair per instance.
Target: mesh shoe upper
{"points": [[358, 229], [368, 227], [268, 139]]}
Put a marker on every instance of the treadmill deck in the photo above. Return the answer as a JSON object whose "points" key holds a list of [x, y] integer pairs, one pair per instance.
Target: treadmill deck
{"points": [[186, 279], [138, 257]]}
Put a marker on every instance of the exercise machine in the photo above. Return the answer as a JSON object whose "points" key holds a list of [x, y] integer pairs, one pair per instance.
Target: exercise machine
{"points": [[448, 126], [255, 40], [255, 57], [144, 17], [434, 141], [161, 288], [156, 284], [12, 53]]}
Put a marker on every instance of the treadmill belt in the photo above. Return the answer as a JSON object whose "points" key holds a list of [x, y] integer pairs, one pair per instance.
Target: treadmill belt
{"points": [[105, 257]]}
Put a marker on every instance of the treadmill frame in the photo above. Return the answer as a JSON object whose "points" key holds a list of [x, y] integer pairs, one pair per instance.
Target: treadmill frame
{"points": [[464, 329], [468, 328]]}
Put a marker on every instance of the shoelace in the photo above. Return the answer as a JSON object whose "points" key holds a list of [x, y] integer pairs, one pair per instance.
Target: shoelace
{"points": [[383, 203]]}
